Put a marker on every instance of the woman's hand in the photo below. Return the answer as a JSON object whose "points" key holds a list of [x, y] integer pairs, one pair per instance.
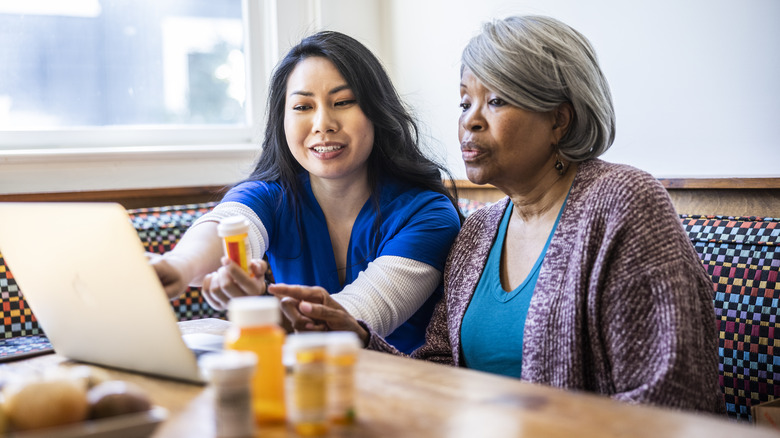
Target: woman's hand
{"points": [[311, 308], [172, 273], [230, 281]]}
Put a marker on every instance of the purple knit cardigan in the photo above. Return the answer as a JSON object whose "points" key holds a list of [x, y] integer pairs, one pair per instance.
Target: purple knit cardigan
{"points": [[623, 306]]}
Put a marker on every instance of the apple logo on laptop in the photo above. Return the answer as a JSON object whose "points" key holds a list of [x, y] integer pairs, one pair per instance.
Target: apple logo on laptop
{"points": [[82, 290]]}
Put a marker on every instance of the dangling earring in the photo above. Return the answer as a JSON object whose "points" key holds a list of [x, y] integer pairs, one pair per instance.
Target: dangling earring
{"points": [[559, 164], [559, 167]]}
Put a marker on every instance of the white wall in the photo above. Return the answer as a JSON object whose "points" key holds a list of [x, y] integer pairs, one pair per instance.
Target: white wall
{"points": [[359, 19], [696, 83]]}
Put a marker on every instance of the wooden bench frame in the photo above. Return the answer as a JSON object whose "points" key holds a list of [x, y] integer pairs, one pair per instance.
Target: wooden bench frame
{"points": [[706, 196]]}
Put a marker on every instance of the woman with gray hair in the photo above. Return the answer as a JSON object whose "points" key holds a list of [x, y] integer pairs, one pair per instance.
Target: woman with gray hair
{"points": [[582, 277]]}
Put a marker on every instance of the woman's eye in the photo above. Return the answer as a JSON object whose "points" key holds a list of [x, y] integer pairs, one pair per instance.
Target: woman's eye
{"points": [[300, 107], [345, 102], [497, 101], [464, 106]]}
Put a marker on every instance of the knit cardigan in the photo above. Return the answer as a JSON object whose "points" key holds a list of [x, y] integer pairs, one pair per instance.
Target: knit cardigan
{"points": [[622, 307]]}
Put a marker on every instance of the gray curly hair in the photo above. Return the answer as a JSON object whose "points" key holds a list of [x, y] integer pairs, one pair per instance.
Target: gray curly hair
{"points": [[537, 63]]}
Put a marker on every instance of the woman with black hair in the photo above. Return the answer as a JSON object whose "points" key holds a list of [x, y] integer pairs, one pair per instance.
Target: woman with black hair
{"points": [[341, 198]]}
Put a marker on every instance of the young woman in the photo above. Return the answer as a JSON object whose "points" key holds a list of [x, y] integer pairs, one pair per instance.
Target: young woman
{"points": [[341, 198]]}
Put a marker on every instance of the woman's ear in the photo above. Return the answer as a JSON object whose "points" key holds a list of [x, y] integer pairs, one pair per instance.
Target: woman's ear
{"points": [[563, 117]]}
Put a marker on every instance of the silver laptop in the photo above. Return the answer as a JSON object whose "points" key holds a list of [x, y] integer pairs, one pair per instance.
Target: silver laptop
{"points": [[83, 271]]}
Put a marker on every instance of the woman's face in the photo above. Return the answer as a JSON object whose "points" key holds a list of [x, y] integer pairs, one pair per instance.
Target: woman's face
{"points": [[327, 132], [502, 144]]}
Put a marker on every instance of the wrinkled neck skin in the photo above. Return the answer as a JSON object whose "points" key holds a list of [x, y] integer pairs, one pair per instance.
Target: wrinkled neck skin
{"points": [[542, 196]]}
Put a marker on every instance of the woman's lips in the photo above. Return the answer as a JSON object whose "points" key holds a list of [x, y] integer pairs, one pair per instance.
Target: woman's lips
{"points": [[470, 151], [327, 150]]}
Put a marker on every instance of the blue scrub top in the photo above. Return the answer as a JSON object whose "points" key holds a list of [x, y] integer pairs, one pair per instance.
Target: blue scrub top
{"points": [[413, 223]]}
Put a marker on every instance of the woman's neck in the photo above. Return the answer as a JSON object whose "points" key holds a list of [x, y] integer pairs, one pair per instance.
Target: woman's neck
{"points": [[543, 197], [342, 198], [341, 201]]}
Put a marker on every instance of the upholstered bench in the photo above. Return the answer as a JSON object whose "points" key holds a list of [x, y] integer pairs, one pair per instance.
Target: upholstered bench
{"points": [[742, 255], [158, 228]]}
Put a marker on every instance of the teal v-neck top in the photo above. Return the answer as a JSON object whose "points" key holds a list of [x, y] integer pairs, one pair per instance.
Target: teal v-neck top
{"points": [[491, 335]]}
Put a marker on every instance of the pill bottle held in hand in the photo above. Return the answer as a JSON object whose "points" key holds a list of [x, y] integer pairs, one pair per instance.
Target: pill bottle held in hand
{"points": [[255, 327], [234, 232]]}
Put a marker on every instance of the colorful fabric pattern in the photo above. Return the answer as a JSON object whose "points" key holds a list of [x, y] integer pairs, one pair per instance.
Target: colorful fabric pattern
{"points": [[741, 255], [18, 319], [468, 206]]}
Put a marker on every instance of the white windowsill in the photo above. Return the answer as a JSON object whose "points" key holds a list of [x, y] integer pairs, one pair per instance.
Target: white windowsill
{"points": [[117, 168], [126, 152]]}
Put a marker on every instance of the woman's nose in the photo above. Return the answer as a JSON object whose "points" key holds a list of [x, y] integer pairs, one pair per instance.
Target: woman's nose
{"points": [[473, 120], [324, 121]]}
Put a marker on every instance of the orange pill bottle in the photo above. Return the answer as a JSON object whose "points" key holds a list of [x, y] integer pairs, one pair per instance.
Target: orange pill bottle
{"points": [[234, 232], [255, 327]]}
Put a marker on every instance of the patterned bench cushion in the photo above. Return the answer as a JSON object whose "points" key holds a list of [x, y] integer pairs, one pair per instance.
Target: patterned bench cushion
{"points": [[468, 206], [742, 256], [18, 319]]}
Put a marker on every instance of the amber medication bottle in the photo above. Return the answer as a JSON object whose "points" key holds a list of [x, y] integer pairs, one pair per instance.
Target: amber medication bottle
{"points": [[255, 327], [234, 232], [342, 354], [307, 397]]}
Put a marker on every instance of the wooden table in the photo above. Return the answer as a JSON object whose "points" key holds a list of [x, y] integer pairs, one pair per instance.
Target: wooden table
{"points": [[399, 397]]}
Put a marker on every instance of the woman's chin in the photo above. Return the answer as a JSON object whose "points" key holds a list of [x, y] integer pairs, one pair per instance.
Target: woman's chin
{"points": [[476, 177]]}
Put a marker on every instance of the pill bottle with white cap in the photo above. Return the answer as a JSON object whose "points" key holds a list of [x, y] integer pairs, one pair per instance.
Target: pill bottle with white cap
{"points": [[343, 348], [255, 327], [229, 374], [307, 390], [234, 232]]}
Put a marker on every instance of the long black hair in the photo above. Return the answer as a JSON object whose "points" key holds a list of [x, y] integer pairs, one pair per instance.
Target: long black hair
{"points": [[396, 152]]}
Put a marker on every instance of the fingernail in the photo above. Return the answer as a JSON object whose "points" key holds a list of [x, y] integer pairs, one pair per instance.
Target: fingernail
{"points": [[305, 307]]}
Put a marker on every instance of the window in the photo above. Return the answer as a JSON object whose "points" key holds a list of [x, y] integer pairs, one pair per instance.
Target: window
{"points": [[102, 95], [123, 73]]}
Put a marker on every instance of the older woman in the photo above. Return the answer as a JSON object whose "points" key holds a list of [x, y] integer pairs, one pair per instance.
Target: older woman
{"points": [[582, 277]]}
